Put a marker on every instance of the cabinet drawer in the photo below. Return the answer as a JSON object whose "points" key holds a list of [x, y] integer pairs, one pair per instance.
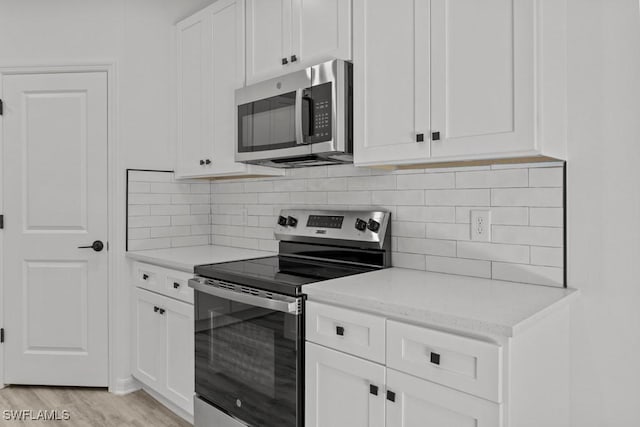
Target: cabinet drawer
{"points": [[462, 363], [165, 281], [350, 331]]}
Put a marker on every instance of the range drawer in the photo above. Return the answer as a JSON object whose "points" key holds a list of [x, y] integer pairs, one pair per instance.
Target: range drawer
{"points": [[349, 331], [172, 283], [466, 364]]}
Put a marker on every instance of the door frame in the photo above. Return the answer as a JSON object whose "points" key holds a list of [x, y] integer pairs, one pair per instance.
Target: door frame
{"points": [[119, 379]]}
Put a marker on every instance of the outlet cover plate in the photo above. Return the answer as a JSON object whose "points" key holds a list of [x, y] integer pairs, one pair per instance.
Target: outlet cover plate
{"points": [[481, 225]]}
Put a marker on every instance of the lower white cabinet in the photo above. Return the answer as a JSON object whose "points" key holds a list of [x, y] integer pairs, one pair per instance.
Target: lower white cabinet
{"points": [[436, 378], [163, 348], [413, 402], [342, 390]]}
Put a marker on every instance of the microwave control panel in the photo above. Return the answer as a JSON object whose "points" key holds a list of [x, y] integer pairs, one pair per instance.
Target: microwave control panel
{"points": [[318, 120]]}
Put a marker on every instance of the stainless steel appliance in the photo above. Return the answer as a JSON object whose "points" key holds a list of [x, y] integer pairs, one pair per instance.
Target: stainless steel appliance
{"points": [[300, 119], [249, 315]]}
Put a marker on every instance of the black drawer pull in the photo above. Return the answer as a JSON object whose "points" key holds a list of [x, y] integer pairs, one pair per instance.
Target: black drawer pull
{"points": [[201, 162], [176, 285], [435, 136], [373, 389], [156, 309], [340, 330], [435, 358], [420, 137], [285, 61], [391, 396], [145, 277], [162, 311], [294, 58]]}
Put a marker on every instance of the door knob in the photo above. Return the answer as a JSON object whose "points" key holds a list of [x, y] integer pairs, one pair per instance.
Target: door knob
{"points": [[96, 246]]}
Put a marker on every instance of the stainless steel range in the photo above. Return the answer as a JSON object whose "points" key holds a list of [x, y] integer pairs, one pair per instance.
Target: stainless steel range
{"points": [[249, 315]]}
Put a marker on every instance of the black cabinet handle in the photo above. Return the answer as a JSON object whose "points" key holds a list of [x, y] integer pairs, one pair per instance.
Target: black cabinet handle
{"points": [[96, 246], [176, 285], [435, 358], [145, 277], [435, 136], [162, 311], [156, 309], [201, 162], [340, 330], [373, 389], [285, 61], [391, 396], [207, 162], [294, 58], [420, 137]]}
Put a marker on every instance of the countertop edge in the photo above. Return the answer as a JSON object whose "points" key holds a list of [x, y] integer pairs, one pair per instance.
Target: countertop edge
{"points": [[437, 319], [174, 265]]}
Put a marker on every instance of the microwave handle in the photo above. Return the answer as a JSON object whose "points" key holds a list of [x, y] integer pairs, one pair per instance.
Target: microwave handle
{"points": [[298, 118]]}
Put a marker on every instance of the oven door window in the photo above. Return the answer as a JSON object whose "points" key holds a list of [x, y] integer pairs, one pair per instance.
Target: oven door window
{"points": [[268, 124], [247, 359]]}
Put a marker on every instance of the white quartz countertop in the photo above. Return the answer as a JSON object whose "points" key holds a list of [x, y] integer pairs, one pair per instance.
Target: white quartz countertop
{"points": [[476, 305], [185, 259]]}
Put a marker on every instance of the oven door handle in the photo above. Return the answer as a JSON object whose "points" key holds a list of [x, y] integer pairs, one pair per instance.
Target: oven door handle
{"points": [[271, 304]]}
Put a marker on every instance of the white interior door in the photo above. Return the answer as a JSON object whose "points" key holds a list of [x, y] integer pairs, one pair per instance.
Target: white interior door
{"points": [[55, 197]]}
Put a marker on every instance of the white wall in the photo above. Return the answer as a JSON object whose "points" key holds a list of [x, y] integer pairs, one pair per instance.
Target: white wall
{"points": [[137, 34], [604, 210]]}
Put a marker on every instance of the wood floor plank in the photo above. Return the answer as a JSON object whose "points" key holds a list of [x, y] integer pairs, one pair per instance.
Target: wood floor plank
{"points": [[87, 407]]}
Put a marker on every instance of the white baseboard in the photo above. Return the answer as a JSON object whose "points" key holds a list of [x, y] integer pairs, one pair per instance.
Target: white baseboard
{"points": [[169, 405], [125, 386]]}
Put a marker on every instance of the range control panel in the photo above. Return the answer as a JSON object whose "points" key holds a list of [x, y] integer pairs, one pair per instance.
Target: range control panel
{"points": [[364, 226]]}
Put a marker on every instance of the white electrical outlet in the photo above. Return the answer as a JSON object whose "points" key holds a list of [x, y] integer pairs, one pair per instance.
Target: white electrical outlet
{"points": [[481, 225]]}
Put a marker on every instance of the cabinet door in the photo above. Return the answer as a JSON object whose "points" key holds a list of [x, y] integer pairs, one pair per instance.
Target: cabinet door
{"points": [[194, 89], [268, 25], [179, 352], [391, 81], [148, 340], [482, 64], [420, 403], [227, 75], [340, 389], [321, 31]]}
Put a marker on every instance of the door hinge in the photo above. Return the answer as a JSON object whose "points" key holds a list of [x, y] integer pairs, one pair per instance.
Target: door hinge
{"points": [[1, 335], [1, 222], [1, 108]]}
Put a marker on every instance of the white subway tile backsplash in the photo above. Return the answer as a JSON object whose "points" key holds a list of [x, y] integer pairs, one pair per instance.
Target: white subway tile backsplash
{"points": [[532, 236], [550, 257], [461, 266], [546, 177], [427, 246], [546, 217], [458, 197], [169, 210], [426, 213], [430, 214], [493, 178], [426, 181], [398, 197], [532, 197], [412, 261], [548, 276], [493, 252], [408, 229], [499, 216]]}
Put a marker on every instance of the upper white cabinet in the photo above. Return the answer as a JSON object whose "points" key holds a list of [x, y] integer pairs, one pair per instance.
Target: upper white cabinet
{"points": [[210, 69], [456, 80], [287, 35]]}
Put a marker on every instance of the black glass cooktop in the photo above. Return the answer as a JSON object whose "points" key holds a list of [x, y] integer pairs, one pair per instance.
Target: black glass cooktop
{"points": [[280, 274]]}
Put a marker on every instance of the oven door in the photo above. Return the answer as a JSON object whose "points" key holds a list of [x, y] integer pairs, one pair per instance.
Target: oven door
{"points": [[248, 353]]}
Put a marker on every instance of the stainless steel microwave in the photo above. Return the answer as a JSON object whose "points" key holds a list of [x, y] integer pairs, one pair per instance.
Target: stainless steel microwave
{"points": [[300, 119]]}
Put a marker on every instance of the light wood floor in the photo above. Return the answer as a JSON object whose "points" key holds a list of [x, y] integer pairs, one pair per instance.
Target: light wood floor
{"points": [[87, 407]]}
